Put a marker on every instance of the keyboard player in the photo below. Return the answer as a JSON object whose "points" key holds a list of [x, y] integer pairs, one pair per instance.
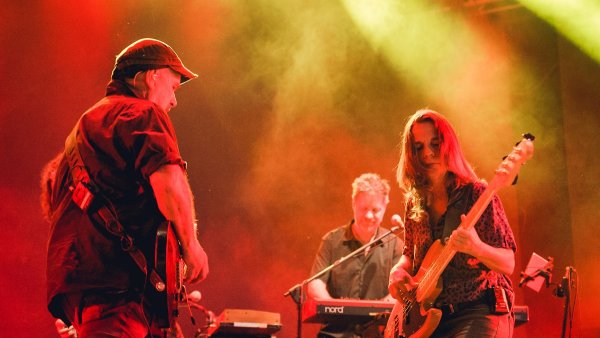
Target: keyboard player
{"points": [[364, 276]]}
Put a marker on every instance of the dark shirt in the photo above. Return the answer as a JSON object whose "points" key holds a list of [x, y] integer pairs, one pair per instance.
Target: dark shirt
{"points": [[362, 277], [122, 141], [465, 278]]}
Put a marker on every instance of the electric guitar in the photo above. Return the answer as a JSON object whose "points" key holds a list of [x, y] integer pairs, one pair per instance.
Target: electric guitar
{"points": [[164, 296], [416, 316]]}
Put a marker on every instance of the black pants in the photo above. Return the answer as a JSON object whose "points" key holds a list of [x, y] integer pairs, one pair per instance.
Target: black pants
{"points": [[475, 322]]}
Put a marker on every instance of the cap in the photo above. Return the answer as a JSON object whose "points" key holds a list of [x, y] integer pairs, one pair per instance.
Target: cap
{"points": [[151, 52]]}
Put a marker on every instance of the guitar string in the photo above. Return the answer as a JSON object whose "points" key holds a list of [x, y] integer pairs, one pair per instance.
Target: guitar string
{"points": [[410, 298], [436, 269]]}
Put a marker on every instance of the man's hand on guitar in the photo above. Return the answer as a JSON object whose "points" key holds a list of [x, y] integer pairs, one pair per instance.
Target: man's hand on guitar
{"points": [[196, 262], [65, 331], [466, 240], [401, 283]]}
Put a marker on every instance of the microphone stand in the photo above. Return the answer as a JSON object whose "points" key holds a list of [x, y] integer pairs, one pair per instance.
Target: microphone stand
{"points": [[297, 291], [211, 321], [564, 290]]}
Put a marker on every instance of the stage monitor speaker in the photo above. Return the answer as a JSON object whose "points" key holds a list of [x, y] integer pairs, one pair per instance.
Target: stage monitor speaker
{"points": [[521, 314], [241, 323]]}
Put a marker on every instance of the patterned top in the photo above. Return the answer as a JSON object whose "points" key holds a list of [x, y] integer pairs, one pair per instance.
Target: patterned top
{"points": [[465, 278]]}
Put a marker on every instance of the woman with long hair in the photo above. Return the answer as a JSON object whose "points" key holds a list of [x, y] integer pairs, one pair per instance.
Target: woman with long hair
{"points": [[439, 186]]}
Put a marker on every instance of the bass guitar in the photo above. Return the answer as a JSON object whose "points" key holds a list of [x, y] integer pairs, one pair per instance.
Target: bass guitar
{"points": [[415, 315]]}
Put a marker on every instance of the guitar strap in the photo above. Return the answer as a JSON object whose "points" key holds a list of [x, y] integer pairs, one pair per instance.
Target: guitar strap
{"points": [[457, 207], [88, 197]]}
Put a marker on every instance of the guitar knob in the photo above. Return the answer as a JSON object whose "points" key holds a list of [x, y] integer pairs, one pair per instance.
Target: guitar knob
{"points": [[160, 286]]}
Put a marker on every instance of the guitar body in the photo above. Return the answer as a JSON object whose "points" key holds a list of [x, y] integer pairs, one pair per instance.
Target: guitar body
{"points": [[415, 318], [169, 266]]}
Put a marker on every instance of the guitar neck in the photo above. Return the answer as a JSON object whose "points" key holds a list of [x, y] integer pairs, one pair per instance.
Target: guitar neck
{"points": [[479, 207]]}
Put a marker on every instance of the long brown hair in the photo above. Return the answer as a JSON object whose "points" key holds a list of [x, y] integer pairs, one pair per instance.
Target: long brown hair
{"points": [[411, 173]]}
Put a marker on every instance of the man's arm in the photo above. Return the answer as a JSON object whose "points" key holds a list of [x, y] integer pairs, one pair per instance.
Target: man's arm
{"points": [[176, 203], [318, 289]]}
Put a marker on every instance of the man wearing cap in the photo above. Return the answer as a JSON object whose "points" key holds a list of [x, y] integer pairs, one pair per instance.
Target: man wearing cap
{"points": [[128, 146]]}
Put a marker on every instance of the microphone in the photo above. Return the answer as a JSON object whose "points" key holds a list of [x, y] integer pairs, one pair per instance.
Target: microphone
{"points": [[566, 284], [397, 225], [397, 221]]}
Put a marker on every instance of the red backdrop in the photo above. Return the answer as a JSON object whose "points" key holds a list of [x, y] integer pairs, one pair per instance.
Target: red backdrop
{"points": [[285, 114]]}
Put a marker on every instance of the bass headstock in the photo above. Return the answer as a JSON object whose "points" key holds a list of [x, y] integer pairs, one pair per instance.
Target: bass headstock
{"points": [[511, 164]]}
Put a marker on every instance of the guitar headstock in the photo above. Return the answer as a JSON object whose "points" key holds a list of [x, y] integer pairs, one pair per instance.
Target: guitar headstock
{"points": [[510, 165]]}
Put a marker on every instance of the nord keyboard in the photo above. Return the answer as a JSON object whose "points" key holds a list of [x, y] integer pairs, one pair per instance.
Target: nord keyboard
{"points": [[361, 311], [345, 310]]}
